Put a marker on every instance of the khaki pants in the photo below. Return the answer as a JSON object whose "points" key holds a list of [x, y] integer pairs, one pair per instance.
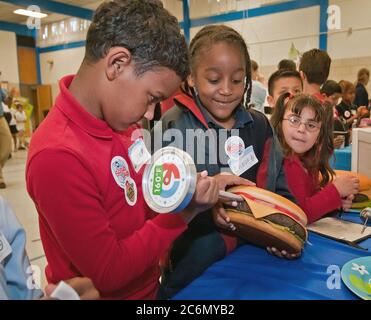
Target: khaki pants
{"points": [[5, 145]]}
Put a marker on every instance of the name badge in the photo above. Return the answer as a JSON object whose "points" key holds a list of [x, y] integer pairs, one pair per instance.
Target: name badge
{"points": [[139, 154], [244, 162], [5, 248]]}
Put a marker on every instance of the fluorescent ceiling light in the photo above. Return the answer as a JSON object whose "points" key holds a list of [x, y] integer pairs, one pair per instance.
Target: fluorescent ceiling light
{"points": [[30, 13]]}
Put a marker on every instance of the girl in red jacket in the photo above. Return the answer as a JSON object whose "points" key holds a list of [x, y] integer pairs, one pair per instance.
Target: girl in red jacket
{"points": [[303, 126]]}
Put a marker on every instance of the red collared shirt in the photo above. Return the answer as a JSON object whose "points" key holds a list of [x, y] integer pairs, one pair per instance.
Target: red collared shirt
{"points": [[87, 226], [319, 97]]}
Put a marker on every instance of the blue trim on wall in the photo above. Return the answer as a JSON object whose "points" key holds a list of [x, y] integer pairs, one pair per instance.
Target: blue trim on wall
{"points": [[323, 25], [69, 45], [186, 20], [56, 7], [255, 12], [18, 29]]}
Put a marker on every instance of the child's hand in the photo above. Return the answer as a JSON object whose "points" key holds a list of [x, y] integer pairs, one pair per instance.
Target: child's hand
{"points": [[221, 218], [204, 198], [346, 185], [361, 110], [227, 179], [84, 287], [338, 141], [283, 253], [346, 203]]}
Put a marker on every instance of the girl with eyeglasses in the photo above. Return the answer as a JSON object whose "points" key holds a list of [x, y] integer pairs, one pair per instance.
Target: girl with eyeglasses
{"points": [[304, 128]]}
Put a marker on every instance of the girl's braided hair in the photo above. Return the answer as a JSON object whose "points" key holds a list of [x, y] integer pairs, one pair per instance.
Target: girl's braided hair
{"points": [[210, 35]]}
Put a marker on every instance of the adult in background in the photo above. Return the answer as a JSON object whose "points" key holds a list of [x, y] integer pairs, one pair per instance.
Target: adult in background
{"points": [[361, 98]]}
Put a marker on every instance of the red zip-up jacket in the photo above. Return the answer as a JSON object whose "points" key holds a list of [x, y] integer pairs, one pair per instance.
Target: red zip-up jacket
{"points": [[305, 188], [87, 227]]}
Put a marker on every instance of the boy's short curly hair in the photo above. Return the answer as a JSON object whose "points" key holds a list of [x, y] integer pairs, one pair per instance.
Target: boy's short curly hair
{"points": [[145, 28], [315, 64]]}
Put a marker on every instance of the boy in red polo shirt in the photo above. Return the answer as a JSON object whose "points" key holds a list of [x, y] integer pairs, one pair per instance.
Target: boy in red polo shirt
{"points": [[81, 171]]}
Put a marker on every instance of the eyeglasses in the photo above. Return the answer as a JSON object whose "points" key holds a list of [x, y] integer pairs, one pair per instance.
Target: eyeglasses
{"points": [[295, 122]]}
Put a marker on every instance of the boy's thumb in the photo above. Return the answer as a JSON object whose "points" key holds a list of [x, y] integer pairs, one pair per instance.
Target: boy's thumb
{"points": [[202, 174]]}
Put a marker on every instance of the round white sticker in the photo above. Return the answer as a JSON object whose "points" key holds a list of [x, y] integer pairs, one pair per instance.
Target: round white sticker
{"points": [[120, 170], [234, 147]]}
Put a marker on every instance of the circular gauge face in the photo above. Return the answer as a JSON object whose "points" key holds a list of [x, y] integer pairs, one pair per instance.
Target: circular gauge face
{"points": [[169, 180]]}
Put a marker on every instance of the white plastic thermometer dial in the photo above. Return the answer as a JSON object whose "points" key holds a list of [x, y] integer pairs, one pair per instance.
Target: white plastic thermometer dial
{"points": [[169, 181]]}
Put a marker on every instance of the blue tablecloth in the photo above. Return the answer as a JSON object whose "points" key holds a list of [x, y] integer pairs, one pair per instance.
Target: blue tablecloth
{"points": [[342, 159], [251, 273]]}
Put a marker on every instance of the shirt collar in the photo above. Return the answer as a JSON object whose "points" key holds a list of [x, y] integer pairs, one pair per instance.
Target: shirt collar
{"points": [[72, 109], [240, 114]]}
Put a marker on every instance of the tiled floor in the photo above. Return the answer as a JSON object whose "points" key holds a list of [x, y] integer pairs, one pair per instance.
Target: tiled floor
{"points": [[17, 197]]}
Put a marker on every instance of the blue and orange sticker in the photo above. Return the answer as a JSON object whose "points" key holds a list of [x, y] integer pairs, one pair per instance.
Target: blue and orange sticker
{"points": [[121, 173]]}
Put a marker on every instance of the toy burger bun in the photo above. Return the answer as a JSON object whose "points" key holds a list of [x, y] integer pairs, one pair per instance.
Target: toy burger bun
{"points": [[268, 220]]}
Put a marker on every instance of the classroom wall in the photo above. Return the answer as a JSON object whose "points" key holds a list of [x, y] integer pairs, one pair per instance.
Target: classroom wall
{"points": [[203, 8], [64, 62], [269, 37], [351, 51], [8, 58], [266, 36]]}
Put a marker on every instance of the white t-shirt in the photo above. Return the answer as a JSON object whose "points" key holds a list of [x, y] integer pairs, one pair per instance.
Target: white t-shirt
{"points": [[258, 95], [20, 117]]}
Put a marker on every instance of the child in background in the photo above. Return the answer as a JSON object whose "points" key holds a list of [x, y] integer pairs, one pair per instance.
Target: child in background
{"points": [[20, 118], [331, 92], [283, 81], [212, 103], [10, 117], [300, 123], [258, 91], [314, 69], [346, 109], [286, 64]]}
